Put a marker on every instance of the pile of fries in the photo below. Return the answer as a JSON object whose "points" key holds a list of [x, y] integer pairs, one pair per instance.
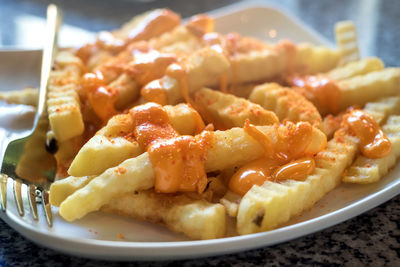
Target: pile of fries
{"points": [[174, 123]]}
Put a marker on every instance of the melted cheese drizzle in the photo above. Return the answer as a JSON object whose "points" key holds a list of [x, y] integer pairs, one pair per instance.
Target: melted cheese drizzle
{"points": [[279, 162], [155, 24], [101, 98], [148, 65], [155, 92], [374, 142], [180, 74], [319, 89], [178, 161]]}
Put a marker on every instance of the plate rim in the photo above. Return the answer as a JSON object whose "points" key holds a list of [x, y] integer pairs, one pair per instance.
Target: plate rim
{"points": [[118, 249]]}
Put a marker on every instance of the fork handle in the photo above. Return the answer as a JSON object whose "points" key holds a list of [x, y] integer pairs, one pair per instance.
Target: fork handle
{"points": [[53, 22]]}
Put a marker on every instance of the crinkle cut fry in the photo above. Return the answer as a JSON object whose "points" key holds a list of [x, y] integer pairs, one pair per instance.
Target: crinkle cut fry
{"points": [[361, 89], [27, 96], [267, 64], [227, 149], [315, 59], [383, 108], [355, 68], [298, 195], [265, 207], [380, 110], [63, 103], [198, 219], [108, 43], [126, 85], [365, 170], [178, 41], [241, 68], [346, 39], [203, 68], [226, 111], [112, 144], [286, 103]]}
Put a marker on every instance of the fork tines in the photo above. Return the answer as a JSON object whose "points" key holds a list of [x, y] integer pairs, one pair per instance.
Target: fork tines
{"points": [[3, 191], [34, 193]]}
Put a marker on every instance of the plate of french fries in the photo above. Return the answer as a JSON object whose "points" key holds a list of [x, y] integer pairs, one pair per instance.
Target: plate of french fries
{"points": [[219, 133]]}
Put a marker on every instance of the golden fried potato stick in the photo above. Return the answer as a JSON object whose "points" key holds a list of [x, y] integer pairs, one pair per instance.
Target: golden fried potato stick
{"points": [[346, 39], [113, 143], [202, 68], [229, 148], [361, 89], [379, 110], [198, 219], [107, 148], [286, 103], [63, 188], [148, 25], [333, 97], [178, 41], [231, 203], [63, 104], [225, 111], [27, 96], [355, 68], [265, 207], [140, 28], [128, 91], [383, 108], [257, 66], [365, 170], [311, 59], [273, 61], [265, 62]]}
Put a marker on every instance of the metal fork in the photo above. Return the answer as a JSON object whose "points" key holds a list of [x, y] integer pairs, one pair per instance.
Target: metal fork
{"points": [[25, 159]]}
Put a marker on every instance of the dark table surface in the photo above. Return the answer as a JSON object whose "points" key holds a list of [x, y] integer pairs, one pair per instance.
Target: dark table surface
{"points": [[372, 238]]}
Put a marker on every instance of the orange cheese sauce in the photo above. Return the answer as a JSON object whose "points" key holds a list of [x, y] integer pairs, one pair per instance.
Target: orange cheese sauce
{"points": [[101, 98], [178, 161], [179, 165], [283, 159], [200, 25], [374, 142], [154, 25], [265, 169], [180, 74], [254, 173], [296, 170], [146, 65], [318, 89], [159, 22], [155, 92], [151, 124], [149, 65]]}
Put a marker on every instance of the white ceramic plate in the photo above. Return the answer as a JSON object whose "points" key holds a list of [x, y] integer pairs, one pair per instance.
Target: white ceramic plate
{"points": [[96, 236]]}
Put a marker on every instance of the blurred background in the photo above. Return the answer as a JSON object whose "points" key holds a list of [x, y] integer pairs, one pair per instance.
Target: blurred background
{"points": [[22, 21]]}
